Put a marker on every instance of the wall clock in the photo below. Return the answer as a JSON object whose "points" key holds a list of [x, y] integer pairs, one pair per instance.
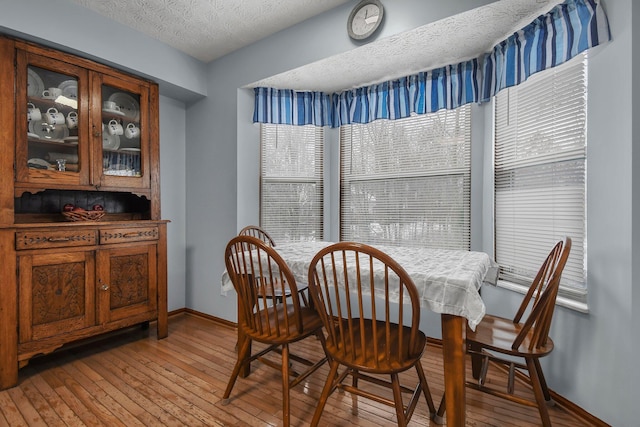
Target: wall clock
{"points": [[365, 19]]}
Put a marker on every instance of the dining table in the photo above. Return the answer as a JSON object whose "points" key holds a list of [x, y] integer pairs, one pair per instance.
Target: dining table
{"points": [[448, 282]]}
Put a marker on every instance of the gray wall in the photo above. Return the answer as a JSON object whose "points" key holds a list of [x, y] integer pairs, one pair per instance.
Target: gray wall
{"points": [[211, 169], [592, 364], [173, 195], [181, 80]]}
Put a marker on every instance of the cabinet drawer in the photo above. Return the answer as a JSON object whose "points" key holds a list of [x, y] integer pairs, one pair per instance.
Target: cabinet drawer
{"points": [[120, 235], [54, 239]]}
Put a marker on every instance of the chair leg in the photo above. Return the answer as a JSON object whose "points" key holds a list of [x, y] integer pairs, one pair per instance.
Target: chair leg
{"points": [[476, 360], [543, 382], [539, 393], [483, 370], [242, 357], [425, 389], [397, 398], [285, 385], [326, 391], [354, 398], [512, 378], [438, 418]]}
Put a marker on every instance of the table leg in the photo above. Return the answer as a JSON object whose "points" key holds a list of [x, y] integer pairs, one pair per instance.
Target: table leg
{"points": [[453, 351]]}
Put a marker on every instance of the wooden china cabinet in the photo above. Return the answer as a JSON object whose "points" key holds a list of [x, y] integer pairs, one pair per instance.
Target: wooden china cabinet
{"points": [[76, 136]]}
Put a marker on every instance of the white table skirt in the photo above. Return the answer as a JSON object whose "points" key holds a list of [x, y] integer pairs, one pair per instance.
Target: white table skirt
{"points": [[448, 281]]}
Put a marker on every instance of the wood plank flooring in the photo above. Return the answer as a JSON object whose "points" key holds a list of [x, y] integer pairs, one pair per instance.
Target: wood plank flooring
{"points": [[132, 379]]}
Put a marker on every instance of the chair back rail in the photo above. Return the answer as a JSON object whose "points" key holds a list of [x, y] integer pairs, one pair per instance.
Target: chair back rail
{"points": [[259, 232]]}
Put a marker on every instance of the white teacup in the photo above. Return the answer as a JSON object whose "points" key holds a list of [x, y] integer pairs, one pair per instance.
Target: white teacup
{"points": [[114, 128], [33, 112], [110, 105], [52, 93], [54, 117], [131, 131], [72, 120]]}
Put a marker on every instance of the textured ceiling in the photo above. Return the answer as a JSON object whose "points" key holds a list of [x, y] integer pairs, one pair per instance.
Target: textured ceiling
{"points": [[209, 29], [448, 41]]}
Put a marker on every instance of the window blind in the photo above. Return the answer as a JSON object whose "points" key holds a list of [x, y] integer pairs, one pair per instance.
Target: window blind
{"points": [[540, 182], [291, 182], [407, 181]]}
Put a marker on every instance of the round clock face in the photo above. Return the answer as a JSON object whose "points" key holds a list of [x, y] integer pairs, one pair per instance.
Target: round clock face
{"points": [[364, 19]]}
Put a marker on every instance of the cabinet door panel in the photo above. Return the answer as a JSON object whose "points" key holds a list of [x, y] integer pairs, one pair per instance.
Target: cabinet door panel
{"points": [[121, 133], [52, 126], [56, 294], [127, 282]]}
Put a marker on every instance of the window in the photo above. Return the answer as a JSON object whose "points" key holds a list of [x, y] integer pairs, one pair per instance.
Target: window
{"points": [[408, 181], [540, 182], [291, 189]]}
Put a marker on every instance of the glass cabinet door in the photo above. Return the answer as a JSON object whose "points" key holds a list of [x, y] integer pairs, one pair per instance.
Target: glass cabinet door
{"points": [[51, 134], [123, 142]]}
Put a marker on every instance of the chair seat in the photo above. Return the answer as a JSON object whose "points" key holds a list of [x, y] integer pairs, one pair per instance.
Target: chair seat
{"points": [[362, 359], [286, 333], [498, 334]]}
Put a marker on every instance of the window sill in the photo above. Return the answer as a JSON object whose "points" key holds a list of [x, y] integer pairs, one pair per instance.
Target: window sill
{"points": [[563, 301]]}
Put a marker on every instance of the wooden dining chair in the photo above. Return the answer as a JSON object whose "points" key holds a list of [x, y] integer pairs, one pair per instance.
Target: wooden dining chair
{"points": [[371, 321], [260, 233], [519, 343], [256, 270]]}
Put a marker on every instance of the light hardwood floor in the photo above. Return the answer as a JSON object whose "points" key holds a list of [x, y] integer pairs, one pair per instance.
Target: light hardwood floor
{"points": [[132, 379]]}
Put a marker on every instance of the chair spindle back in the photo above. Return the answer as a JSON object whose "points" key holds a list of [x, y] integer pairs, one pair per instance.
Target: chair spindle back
{"points": [[258, 272], [541, 297], [347, 293]]}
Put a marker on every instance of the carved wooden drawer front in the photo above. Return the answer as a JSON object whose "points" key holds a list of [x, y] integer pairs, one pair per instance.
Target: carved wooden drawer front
{"points": [[54, 239], [120, 235]]}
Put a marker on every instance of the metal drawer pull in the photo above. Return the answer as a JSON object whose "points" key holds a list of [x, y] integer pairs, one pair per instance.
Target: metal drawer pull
{"points": [[132, 234], [58, 239]]}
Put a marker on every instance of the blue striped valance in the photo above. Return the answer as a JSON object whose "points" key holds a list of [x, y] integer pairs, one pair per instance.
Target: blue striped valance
{"points": [[553, 38], [285, 106], [426, 92], [447, 87]]}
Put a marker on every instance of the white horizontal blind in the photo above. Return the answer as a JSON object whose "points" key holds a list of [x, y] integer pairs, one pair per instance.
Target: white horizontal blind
{"points": [[291, 182], [540, 160], [408, 181]]}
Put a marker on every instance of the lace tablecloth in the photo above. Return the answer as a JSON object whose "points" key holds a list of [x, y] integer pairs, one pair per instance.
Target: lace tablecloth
{"points": [[447, 280]]}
